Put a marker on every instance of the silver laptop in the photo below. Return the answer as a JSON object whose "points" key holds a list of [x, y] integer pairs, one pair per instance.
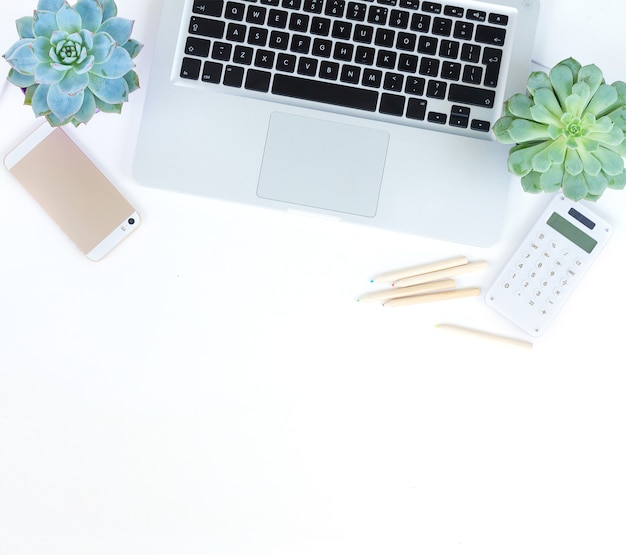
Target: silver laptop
{"points": [[373, 112]]}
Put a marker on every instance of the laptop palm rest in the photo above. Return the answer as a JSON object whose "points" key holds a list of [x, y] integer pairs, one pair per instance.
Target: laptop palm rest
{"points": [[322, 164]]}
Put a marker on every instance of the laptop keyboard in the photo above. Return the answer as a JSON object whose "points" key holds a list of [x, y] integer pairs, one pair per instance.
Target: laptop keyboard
{"points": [[426, 64]]}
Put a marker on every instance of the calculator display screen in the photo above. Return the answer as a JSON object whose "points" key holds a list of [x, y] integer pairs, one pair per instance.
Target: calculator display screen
{"points": [[569, 230]]}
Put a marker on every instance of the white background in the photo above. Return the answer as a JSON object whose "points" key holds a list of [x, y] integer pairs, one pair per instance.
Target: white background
{"points": [[213, 387]]}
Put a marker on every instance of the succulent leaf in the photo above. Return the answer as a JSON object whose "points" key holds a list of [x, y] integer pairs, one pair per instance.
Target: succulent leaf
{"points": [[24, 27], [119, 28], [74, 60], [50, 5], [91, 13], [44, 23]]}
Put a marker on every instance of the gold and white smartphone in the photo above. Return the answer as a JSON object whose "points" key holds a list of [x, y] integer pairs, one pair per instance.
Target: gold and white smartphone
{"points": [[73, 191]]}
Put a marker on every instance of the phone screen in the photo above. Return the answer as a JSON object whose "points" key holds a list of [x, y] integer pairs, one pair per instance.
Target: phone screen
{"points": [[73, 191]]}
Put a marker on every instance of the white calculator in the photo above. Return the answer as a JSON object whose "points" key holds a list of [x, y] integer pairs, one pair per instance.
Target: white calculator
{"points": [[547, 266]]}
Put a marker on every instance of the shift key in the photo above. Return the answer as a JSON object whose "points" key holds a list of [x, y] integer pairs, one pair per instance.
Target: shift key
{"points": [[471, 95]]}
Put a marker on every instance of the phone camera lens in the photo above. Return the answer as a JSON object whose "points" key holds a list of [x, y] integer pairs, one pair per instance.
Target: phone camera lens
{"points": [[131, 221]]}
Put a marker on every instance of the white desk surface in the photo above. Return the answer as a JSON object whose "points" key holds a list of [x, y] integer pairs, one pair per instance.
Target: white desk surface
{"points": [[212, 387]]}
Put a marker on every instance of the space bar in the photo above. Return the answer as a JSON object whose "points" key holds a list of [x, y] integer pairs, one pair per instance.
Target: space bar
{"points": [[321, 91]]}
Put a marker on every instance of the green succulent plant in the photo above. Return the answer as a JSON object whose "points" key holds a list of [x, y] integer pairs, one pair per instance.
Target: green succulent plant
{"points": [[568, 131], [74, 61]]}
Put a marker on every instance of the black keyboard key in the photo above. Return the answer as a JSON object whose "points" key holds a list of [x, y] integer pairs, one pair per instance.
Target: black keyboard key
{"points": [[256, 14], [335, 8], [307, 66], [391, 104], [279, 40], [436, 89], [384, 37], [212, 28], [342, 30], [492, 58], [364, 55], [277, 19], [463, 30], [453, 11], [343, 51], [190, 68], [449, 49], [197, 47], [471, 95], [243, 55], [442, 26], [416, 109], [320, 26], [386, 59], [233, 76], [409, 4], [472, 74], [476, 15], [212, 72], [427, 45], [399, 19], [356, 11], [329, 70], [490, 35], [313, 6], [406, 41], [498, 19], [286, 63], [257, 36], [264, 59], [222, 51], [322, 48], [408, 63], [431, 7], [415, 85], [235, 11], [429, 67], [480, 125], [451, 71], [377, 15], [326, 92], [470, 53], [208, 7], [393, 82], [420, 23], [300, 44], [351, 74], [257, 80], [437, 117], [372, 78], [459, 116], [291, 4], [363, 33]]}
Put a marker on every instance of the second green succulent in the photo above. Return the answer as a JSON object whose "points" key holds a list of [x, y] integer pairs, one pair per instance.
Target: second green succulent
{"points": [[568, 131]]}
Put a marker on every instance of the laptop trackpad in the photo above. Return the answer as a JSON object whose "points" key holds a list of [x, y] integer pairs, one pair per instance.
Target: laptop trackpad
{"points": [[323, 164]]}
